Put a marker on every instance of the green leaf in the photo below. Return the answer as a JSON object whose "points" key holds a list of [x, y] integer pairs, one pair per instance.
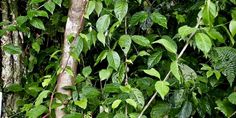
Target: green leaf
{"points": [[37, 23], [86, 71], [116, 103], [232, 98], [209, 12], [232, 27], [90, 8], [138, 17], [82, 103], [154, 59], [186, 30], [36, 111], [153, 72], [69, 71], [98, 7], [137, 95], [131, 102], [50, 6], [162, 87], [77, 48], [160, 110], [125, 43], [37, 1], [58, 2], [105, 74], [141, 40], [90, 92], [175, 69], [120, 9], [101, 37], [46, 82], [168, 43], [126, 88], [36, 46], [14, 88], [101, 57], [214, 34], [41, 96], [159, 19], [21, 20], [73, 115], [113, 59], [103, 23], [225, 107], [186, 110], [11, 49], [203, 42]]}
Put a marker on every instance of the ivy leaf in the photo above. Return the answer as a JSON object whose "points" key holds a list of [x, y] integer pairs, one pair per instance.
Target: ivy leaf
{"points": [[101, 37], [186, 110], [116, 103], [138, 17], [125, 43], [159, 19], [113, 59], [11, 49], [162, 87], [185, 31], [37, 23], [232, 27], [58, 2], [103, 23], [203, 42], [168, 43], [120, 9], [36, 111], [141, 40], [41, 96], [154, 59], [153, 72], [90, 8], [105, 74], [86, 71], [232, 98], [82, 103], [98, 7], [175, 70], [50, 6], [131, 102], [225, 107]]}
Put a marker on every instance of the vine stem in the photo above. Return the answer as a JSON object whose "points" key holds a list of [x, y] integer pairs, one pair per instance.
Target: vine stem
{"points": [[168, 74]]}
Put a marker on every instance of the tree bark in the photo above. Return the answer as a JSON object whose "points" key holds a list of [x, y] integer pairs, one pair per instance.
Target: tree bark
{"points": [[74, 25]]}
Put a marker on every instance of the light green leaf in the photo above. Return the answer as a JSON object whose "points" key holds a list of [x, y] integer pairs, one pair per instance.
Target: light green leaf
{"points": [[46, 82], [21, 20], [159, 19], [58, 2], [126, 88], [41, 96], [132, 102], [36, 111], [125, 43], [225, 107], [105, 74], [232, 98], [168, 43], [98, 7], [175, 70], [113, 59], [185, 31], [11, 49], [50, 6], [101, 37], [162, 87], [214, 34], [101, 57], [120, 9], [77, 48], [154, 59], [82, 103], [37, 1], [232, 27], [143, 53], [209, 12], [116, 103], [138, 17], [73, 115], [36, 46], [103, 23], [69, 71], [37, 23], [153, 72], [141, 40], [137, 95], [203, 42], [86, 71], [90, 8]]}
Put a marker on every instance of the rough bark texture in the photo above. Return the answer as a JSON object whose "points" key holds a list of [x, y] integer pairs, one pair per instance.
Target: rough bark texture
{"points": [[74, 25]]}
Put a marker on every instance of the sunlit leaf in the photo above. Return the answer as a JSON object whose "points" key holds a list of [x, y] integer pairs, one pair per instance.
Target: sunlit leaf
{"points": [[159, 19], [203, 42], [116, 103], [41, 96], [162, 87], [120, 9], [153, 72]]}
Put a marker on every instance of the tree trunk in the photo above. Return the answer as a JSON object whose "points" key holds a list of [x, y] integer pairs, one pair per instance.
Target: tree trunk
{"points": [[74, 25]]}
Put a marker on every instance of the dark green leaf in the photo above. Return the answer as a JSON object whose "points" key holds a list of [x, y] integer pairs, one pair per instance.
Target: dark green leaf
{"points": [[186, 110], [159, 19], [73, 115], [154, 59], [160, 110], [11, 49], [21, 20], [36, 111], [225, 107], [14, 88], [37, 23], [37, 1], [138, 17]]}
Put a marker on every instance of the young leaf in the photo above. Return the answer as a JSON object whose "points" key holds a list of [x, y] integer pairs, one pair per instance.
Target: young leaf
{"points": [[232, 98], [169, 44], [37, 23], [101, 37], [50, 6], [82, 103], [41, 96], [232, 27], [120, 9], [132, 102], [86, 71], [11, 49], [98, 7], [90, 8], [203, 42], [103, 23], [125, 43], [116, 103], [153, 72], [162, 87], [185, 30], [159, 19], [175, 70], [113, 59], [154, 59], [141, 40], [36, 111], [105, 74]]}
